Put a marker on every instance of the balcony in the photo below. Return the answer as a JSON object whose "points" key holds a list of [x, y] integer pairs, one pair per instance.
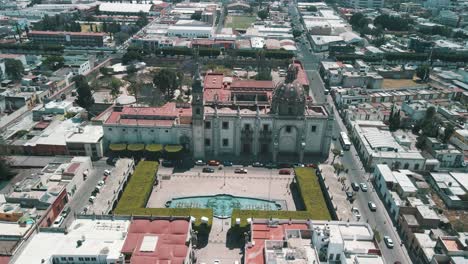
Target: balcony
{"points": [[266, 135], [247, 134]]}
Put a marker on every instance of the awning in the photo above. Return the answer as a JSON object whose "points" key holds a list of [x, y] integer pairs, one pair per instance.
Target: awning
{"points": [[154, 147], [118, 147], [136, 147], [173, 148]]}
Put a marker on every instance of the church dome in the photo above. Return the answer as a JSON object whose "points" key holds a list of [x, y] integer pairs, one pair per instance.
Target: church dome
{"points": [[288, 99]]}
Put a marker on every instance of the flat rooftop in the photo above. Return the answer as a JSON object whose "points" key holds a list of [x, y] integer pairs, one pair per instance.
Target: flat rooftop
{"points": [[101, 237]]}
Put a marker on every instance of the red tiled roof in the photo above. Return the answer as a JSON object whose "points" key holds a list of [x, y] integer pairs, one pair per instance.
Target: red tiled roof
{"points": [[171, 245], [301, 74], [38, 32], [252, 85], [10, 56], [135, 115], [262, 232], [213, 81]]}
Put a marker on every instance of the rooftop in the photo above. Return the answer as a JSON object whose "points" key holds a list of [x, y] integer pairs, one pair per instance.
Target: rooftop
{"points": [[38, 32], [157, 241], [99, 237]]}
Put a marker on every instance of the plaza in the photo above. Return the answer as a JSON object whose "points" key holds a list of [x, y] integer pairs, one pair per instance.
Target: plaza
{"points": [[260, 183]]}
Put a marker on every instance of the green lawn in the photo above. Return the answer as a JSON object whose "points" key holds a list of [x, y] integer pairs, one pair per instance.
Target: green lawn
{"points": [[241, 22]]}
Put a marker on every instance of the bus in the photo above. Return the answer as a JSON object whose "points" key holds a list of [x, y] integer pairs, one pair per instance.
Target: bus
{"points": [[345, 143]]}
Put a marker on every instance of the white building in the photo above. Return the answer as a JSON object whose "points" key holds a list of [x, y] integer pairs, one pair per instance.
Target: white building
{"points": [[301, 241], [374, 4], [244, 118], [394, 187], [378, 146], [79, 65], [86, 241], [125, 8], [86, 141], [190, 32]]}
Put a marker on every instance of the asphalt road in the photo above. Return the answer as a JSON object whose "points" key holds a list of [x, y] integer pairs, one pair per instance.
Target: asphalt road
{"points": [[81, 198], [380, 219]]}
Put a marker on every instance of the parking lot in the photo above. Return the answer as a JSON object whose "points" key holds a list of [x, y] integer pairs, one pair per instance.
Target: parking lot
{"points": [[257, 183]]}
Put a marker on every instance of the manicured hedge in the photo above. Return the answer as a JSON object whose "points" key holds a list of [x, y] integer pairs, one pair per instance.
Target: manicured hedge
{"points": [[139, 187], [314, 202], [138, 190]]}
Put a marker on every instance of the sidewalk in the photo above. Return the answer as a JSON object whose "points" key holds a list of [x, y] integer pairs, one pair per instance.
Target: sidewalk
{"points": [[338, 196]]}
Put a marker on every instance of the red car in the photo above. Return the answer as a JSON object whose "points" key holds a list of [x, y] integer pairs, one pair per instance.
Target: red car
{"points": [[285, 172], [213, 163], [311, 165]]}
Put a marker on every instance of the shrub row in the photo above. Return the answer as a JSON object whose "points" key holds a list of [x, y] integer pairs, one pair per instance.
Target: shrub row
{"points": [[311, 193]]}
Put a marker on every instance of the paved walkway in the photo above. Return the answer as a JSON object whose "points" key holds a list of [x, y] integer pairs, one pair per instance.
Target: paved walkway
{"points": [[337, 193]]}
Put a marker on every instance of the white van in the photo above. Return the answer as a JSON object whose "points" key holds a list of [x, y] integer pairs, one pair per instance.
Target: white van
{"points": [[58, 221]]}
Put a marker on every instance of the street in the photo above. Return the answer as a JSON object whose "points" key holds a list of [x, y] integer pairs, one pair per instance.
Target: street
{"points": [[80, 198], [379, 220]]}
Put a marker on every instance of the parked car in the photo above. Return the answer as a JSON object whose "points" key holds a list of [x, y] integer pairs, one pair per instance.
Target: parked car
{"points": [[107, 172], [284, 172], [227, 164], [58, 221], [213, 163], [101, 183], [65, 212], [300, 165], [355, 186], [168, 163], [112, 161], [257, 164], [311, 165], [92, 198], [98, 188], [349, 195], [241, 170], [341, 153], [208, 170], [356, 212], [388, 241], [372, 206], [363, 186], [284, 165], [199, 163]]}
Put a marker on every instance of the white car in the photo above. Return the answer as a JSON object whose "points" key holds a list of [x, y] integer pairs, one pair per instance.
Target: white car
{"points": [[355, 211], [388, 241], [199, 163], [58, 221], [107, 172], [91, 199], [363, 186], [372, 206]]}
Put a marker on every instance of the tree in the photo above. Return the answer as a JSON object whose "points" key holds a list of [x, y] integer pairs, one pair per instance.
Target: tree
{"points": [[448, 132], [142, 20], [166, 81], [297, 33], [423, 72], [85, 98], [131, 69], [263, 14], [54, 62], [338, 168], [420, 142], [6, 172], [196, 16], [394, 119], [336, 152], [115, 86], [393, 23], [14, 69], [120, 37], [130, 56], [358, 21]]}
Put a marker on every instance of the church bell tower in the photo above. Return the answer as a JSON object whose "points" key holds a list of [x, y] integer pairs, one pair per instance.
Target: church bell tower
{"points": [[198, 117]]}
